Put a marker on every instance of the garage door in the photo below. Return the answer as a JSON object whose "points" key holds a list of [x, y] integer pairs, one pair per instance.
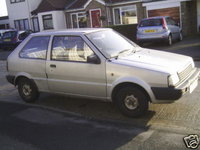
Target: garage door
{"points": [[173, 12]]}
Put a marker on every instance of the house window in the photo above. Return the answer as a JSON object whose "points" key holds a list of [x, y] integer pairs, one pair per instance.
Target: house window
{"points": [[36, 27], [22, 24], [16, 1], [125, 15], [47, 22], [79, 20]]}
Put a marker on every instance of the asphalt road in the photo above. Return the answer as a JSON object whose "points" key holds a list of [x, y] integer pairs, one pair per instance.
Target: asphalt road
{"points": [[28, 127]]}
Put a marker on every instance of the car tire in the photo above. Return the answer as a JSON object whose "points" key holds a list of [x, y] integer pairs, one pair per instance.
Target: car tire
{"points": [[180, 36], [169, 40], [132, 101], [27, 90]]}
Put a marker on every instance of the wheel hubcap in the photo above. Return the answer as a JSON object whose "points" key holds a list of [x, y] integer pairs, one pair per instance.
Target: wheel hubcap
{"points": [[26, 90], [131, 102]]}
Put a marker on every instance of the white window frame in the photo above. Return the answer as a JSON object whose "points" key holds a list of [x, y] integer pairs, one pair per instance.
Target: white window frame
{"points": [[82, 12], [120, 11]]}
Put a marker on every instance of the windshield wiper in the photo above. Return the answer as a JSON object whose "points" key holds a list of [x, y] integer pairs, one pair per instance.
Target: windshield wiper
{"points": [[131, 51], [123, 51]]}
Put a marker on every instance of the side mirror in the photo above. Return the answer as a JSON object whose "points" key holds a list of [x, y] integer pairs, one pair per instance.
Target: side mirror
{"points": [[93, 59]]}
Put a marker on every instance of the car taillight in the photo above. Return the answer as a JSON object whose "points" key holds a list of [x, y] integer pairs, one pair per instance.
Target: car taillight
{"points": [[164, 25]]}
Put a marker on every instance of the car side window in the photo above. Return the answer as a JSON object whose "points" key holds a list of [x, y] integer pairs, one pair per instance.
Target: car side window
{"points": [[173, 22], [70, 48], [168, 21], [36, 48], [22, 36]]}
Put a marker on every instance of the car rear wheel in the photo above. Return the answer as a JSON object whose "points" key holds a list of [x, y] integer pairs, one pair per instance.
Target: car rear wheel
{"points": [[27, 90], [180, 36], [169, 40], [132, 101]]}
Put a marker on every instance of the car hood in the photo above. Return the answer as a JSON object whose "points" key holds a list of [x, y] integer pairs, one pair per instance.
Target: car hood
{"points": [[156, 60]]}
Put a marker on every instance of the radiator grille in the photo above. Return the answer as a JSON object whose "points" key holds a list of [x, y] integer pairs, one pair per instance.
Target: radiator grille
{"points": [[184, 74]]}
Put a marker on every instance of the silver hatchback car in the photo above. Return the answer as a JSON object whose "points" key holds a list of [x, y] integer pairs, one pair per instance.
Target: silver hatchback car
{"points": [[160, 28], [99, 64]]}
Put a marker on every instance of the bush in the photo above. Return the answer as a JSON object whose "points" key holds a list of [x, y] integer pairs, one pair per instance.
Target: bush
{"points": [[128, 31]]}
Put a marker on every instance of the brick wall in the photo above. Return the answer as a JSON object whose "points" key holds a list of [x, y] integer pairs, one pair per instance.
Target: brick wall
{"points": [[141, 12], [189, 17], [96, 5]]}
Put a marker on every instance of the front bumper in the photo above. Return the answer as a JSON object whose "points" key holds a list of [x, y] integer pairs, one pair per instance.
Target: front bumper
{"points": [[174, 93]]}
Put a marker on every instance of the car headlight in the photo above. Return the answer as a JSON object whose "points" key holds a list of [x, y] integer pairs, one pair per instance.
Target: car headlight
{"points": [[173, 80]]}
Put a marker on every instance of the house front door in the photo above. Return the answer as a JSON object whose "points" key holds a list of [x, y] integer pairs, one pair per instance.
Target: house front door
{"points": [[95, 18]]}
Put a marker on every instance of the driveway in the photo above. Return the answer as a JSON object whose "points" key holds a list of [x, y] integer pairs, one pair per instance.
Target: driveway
{"points": [[190, 46]]}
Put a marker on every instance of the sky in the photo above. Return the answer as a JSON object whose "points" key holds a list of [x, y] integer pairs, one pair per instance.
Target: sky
{"points": [[3, 8]]}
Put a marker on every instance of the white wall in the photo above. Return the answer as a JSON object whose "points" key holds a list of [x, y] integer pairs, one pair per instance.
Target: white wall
{"points": [[59, 21], [198, 15], [21, 10]]}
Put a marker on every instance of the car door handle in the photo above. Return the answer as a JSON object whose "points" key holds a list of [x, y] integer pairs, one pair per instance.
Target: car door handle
{"points": [[53, 66]]}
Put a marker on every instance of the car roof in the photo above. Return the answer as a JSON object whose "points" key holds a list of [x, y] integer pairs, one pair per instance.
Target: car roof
{"points": [[5, 30], [157, 17], [70, 31]]}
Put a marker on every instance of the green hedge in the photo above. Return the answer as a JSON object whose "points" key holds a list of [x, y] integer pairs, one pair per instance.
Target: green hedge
{"points": [[128, 31]]}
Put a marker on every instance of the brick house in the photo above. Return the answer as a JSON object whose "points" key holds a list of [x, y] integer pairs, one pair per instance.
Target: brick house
{"points": [[185, 12], [100, 13], [62, 14]]}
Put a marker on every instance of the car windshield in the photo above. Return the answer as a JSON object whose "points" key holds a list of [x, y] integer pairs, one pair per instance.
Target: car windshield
{"points": [[151, 22], [111, 43], [9, 34]]}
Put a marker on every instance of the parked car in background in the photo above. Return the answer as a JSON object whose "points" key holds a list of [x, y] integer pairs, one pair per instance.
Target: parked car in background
{"points": [[1, 35], [13, 38], [162, 28], [99, 64]]}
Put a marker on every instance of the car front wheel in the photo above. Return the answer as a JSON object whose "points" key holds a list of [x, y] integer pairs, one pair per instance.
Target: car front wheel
{"points": [[27, 90], [132, 101]]}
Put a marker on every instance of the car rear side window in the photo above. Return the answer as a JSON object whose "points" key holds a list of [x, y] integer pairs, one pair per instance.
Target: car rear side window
{"points": [[70, 48], [151, 22], [36, 48]]}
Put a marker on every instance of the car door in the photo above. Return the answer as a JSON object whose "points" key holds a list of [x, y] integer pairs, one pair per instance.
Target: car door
{"points": [[69, 72]]}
